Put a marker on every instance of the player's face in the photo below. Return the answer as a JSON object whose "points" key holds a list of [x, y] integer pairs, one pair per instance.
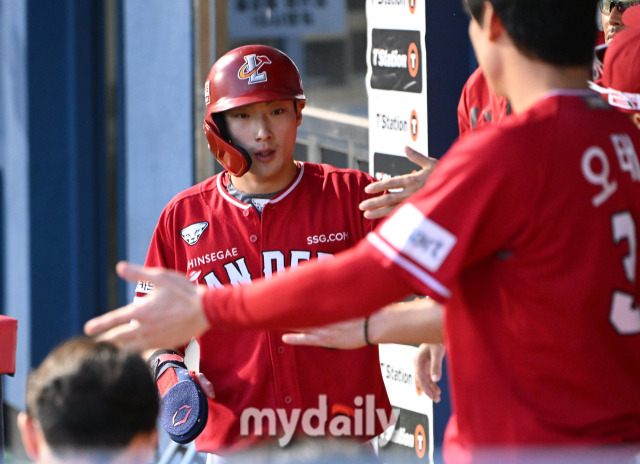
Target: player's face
{"points": [[612, 17], [612, 24], [268, 132]]}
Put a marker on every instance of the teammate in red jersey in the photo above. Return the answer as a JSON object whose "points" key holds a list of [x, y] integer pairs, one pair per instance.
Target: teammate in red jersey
{"points": [[526, 232], [479, 105], [264, 213]]}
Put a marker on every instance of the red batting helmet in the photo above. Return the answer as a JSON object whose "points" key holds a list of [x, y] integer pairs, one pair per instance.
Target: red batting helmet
{"points": [[245, 75]]}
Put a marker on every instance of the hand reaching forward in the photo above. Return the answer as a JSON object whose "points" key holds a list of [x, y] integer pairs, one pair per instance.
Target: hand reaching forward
{"points": [[382, 205], [344, 335], [169, 316], [428, 365], [409, 323]]}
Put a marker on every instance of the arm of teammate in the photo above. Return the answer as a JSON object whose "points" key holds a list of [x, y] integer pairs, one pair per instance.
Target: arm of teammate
{"points": [[428, 367], [410, 323], [179, 310], [381, 206]]}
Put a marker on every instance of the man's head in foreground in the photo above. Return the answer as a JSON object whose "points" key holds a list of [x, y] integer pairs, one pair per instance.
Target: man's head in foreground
{"points": [[90, 401]]}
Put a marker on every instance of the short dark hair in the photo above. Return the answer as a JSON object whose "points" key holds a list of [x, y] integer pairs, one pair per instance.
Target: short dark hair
{"points": [[560, 33], [92, 395]]}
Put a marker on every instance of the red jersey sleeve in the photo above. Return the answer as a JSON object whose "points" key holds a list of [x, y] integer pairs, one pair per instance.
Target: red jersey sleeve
{"points": [[351, 285], [431, 239]]}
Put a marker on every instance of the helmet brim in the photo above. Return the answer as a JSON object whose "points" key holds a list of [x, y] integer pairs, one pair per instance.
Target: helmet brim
{"points": [[249, 98]]}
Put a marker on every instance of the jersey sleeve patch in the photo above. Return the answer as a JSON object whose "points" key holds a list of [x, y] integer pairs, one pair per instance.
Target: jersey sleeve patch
{"points": [[418, 237], [419, 273]]}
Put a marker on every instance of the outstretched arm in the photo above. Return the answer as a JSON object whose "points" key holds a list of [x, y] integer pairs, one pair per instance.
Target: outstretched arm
{"points": [[381, 206], [353, 284], [410, 323]]}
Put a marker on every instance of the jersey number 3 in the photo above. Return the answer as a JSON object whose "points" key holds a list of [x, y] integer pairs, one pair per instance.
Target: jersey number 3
{"points": [[623, 315]]}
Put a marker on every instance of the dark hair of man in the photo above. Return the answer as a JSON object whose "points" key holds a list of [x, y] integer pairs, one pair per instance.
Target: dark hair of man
{"points": [[89, 395], [559, 33]]}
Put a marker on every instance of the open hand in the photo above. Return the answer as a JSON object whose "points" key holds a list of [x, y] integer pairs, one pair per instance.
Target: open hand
{"points": [[169, 316], [382, 205]]}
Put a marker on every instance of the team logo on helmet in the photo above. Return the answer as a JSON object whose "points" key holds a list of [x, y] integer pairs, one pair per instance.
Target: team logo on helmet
{"points": [[251, 68], [191, 234]]}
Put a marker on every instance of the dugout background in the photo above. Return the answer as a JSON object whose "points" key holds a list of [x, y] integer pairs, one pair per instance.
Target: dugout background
{"points": [[100, 126]]}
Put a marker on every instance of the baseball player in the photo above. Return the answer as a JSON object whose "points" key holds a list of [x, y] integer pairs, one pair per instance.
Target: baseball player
{"points": [[612, 19], [264, 213], [526, 232], [479, 105], [611, 14]]}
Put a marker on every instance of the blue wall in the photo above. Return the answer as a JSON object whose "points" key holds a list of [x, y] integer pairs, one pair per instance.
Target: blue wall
{"points": [[53, 155], [157, 115], [66, 169]]}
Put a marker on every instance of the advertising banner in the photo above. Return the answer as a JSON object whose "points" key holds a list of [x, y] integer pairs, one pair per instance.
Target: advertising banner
{"points": [[397, 93], [410, 439], [396, 84]]}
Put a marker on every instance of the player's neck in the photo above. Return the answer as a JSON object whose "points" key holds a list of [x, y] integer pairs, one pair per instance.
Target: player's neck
{"points": [[263, 184], [529, 80]]}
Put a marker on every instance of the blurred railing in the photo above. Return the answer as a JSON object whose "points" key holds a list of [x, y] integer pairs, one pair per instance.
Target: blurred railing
{"points": [[334, 138]]}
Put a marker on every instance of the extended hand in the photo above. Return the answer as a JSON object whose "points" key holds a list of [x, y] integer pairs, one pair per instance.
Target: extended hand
{"points": [[382, 205], [428, 365], [169, 316], [344, 335]]}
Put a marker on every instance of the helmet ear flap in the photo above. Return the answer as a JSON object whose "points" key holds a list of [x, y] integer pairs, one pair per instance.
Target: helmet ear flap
{"points": [[233, 158]]}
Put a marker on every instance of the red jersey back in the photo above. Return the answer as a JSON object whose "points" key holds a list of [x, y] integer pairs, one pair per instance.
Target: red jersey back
{"points": [[528, 232]]}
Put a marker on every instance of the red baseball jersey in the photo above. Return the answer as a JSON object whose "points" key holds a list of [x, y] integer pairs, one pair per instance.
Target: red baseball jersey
{"points": [[478, 105], [528, 232], [216, 240]]}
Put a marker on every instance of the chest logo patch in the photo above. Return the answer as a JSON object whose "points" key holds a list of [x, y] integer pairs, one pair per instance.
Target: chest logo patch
{"points": [[191, 234]]}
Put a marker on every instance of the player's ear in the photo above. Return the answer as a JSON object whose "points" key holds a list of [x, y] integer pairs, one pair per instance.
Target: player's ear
{"points": [[492, 22], [635, 117], [30, 435], [299, 105]]}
